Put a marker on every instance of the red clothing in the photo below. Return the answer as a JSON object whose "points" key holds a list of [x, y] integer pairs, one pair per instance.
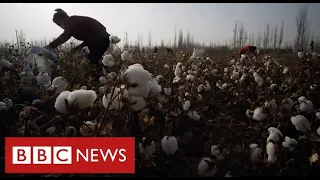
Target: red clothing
{"points": [[82, 28], [246, 49]]}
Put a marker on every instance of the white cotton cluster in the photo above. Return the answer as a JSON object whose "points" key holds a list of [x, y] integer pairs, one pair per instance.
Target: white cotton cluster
{"points": [[4, 64], [146, 149], [235, 75], [258, 79], [259, 115], [159, 77], [285, 70], [115, 100], [111, 75], [176, 80], [178, 71], [287, 103], [301, 123], [274, 135], [190, 77], [271, 104], [108, 60], [186, 105], [59, 84], [126, 56], [215, 151], [204, 168], [102, 80], [271, 151], [255, 153], [114, 39], [80, 99], [169, 144], [194, 115], [85, 50], [289, 143], [43, 79], [167, 91], [204, 87], [140, 81], [305, 104], [301, 54]]}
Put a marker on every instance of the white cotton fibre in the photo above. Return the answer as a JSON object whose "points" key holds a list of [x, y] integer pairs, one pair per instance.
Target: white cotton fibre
{"points": [[108, 60], [169, 144], [167, 91], [274, 134], [137, 103], [60, 84], [259, 115], [186, 105], [114, 39], [190, 77], [155, 87], [301, 123], [126, 56], [271, 151], [82, 98], [136, 74], [60, 103], [289, 143], [116, 103]]}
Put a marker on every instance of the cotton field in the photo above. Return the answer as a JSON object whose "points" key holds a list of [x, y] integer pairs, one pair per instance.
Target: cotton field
{"points": [[191, 114]]}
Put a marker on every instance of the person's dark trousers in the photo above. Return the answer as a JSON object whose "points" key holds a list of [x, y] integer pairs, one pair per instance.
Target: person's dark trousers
{"points": [[97, 50]]}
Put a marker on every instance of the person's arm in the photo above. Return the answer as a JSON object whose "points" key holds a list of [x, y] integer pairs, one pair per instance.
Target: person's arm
{"points": [[65, 36]]}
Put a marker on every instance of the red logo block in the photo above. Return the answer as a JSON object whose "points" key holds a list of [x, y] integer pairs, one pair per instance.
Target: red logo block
{"points": [[69, 155]]}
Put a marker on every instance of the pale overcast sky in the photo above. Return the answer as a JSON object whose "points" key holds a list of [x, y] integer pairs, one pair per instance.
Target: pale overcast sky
{"points": [[206, 22]]}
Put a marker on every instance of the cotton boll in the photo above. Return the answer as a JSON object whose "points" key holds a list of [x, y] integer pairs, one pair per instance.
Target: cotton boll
{"points": [[301, 123], [271, 104], [255, 74], [146, 150], [199, 97], [226, 70], [108, 60], [215, 151], [166, 66], [177, 72], [169, 144], [258, 80], [155, 87], [183, 68], [70, 131], [126, 56], [136, 74], [159, 77], [224, 86], [60, 84], [255, 153], [318, 130], [259, 115], [306, 106], [176, 80], [301, 99], [186, 105], [167, 91], [318, 115], [235, 75], [289, 143], [273, 86], [137, 103], [51, 130], [114, 39], [204, 168], [243, 78], [249, 113], [44, 79], [111, 75], [194, 115], [301, 54], [271, 151], [8, 102], [85, 131], [85, 50], [84, 87], [285, 70], [274, 134], [190, 77], [82, 98], [287, 103], [102, 80], [62, 102], [116, 103], [3, 107]]}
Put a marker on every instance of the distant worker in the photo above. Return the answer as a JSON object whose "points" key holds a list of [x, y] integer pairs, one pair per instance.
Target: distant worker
{"points": [[83, 28], [311, 46], [248, 50], [155, 50]]}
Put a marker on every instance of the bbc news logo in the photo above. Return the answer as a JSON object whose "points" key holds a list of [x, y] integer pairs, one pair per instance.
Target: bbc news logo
{"points": [[69, 155]]}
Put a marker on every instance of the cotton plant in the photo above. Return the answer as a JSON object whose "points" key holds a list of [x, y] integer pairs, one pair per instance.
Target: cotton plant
{"points": [[108, 60]]}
